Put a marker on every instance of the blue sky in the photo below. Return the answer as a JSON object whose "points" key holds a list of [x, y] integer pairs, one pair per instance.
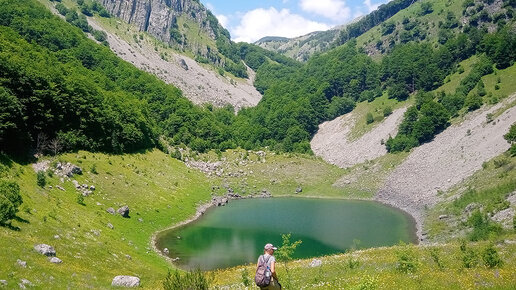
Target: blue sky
{"points": [[250, 20]]}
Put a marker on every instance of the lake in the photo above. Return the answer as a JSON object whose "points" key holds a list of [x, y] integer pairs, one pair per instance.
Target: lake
{"points": [[236, 233]]}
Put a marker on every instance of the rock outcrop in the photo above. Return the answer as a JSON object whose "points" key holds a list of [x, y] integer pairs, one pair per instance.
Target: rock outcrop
{"points": [[158, 17]]}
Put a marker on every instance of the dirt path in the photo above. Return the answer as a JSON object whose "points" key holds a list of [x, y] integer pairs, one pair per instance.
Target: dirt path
{"points": [[451, 157], [198, 84], [331, 141]]}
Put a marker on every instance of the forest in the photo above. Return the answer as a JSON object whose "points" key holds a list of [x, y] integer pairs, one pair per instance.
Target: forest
{"points": [[57, 86]]}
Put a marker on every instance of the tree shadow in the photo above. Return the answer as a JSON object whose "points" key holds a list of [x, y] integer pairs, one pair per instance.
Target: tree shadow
{"points": [[10, 226], [21, 220]]}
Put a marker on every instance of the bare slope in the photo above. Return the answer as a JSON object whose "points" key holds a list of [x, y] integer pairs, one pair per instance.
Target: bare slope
{"points": [[198, 84], [452, 156], [332, 141]]}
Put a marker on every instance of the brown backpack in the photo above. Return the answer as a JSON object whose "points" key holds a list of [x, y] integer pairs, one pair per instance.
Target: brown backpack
{"points": [[263, 273]]}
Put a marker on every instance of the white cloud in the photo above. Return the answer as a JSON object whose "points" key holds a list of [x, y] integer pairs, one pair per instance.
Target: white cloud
{"points": [[258, 23], [336, 10], [370, 6], [223, 20]]}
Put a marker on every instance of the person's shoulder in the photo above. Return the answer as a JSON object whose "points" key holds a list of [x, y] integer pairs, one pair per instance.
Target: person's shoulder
{"points": [[273, 259]]}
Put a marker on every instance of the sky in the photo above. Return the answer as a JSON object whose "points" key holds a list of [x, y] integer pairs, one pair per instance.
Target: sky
{"points": [[250, 20]]}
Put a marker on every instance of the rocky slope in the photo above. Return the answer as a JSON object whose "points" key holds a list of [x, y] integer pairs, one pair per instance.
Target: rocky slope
{"points": [[199, 84], [413, 186], [332, 144], [452, 156]]}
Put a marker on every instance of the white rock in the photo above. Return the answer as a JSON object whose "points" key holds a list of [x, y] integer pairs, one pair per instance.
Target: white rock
{"points": [[55, 260], [125, 281], [315, 263], [21, 263], [45, 250]]}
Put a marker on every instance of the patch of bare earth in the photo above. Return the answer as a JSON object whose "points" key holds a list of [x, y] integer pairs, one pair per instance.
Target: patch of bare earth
{"points": [[332, 143], [198, 84], [452, 156]]}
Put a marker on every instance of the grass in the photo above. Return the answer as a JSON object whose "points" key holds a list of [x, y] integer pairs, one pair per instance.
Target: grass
{"points": [[376, 108], [488, 188], [158, 189], [379, 269], [159, 195]]}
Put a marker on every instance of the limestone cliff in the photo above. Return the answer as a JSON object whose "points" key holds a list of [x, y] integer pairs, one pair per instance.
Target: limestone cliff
{"points": [[159, 17]]}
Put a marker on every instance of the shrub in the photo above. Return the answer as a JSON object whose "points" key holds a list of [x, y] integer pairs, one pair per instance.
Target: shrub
{"points": [[93, 169], [41, 179], [369, 118], [490, 257], [407, 260], [483, 228], [245, 278], [189, 280], [80, 199], [387, 111], [469, 257], [434, 253]]}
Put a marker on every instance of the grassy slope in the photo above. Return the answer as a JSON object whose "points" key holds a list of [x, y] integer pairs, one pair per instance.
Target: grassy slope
{"points": [[377, 269], [158, 189]]}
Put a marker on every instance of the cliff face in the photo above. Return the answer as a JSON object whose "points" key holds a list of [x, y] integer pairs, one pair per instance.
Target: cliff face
{"points": [[157, 17]]}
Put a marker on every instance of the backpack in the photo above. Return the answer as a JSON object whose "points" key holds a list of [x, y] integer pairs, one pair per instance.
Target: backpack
{"points": [[263, 273]]}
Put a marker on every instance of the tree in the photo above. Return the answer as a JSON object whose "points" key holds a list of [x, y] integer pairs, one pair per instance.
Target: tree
{"points": [[10, 200], [55, 146]]}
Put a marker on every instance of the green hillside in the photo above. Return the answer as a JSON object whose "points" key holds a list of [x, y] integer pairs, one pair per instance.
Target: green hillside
{"points": [[66, 98]]}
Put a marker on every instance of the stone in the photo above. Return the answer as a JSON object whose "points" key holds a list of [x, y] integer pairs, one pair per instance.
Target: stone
{"points": [[21, 263], [125, 281], [128, 257], [60, 187], [3, 282], [124, 211], [24, 283], [45, 249], [183, 64], [299, 190], [470, 207], [315, 263], [84, 186], [111, 211], [110, 225], [57, 237], [76, 184], [166, 251], [55, 260], [95, 232], [92, 188], [140, 220], [444, 216]]}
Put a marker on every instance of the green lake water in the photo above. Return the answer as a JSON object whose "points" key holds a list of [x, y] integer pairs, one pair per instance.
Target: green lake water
{"points": [[235, 234]]}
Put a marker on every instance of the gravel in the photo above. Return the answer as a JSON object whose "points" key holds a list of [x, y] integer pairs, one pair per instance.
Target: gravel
{"points": [[450, 158], [198, 84], [332, 144]]}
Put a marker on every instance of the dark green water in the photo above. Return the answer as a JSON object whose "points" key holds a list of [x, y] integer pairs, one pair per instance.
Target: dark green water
{"points": [[235, 234]]}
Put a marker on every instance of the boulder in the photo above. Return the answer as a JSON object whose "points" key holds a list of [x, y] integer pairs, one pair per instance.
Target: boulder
{"points": [[299, 190], [124, 211], [125, 281], [24, 283], [110, 225], [443, 216], [76, 184], [166, 251], [55, 260], [21, 263], [315, 263], [45, 250], [183, 64], [92, 187], [3, 282], [111, 211]]}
